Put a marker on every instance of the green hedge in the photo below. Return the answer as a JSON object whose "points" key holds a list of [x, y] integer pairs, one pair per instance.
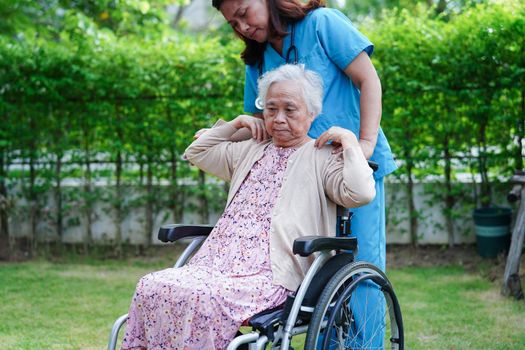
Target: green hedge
{"points": [[112, 109], [93, 106], [454, 97]]}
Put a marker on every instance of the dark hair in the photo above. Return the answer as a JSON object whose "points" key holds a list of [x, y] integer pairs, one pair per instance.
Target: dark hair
{"points": [[281, 13]]}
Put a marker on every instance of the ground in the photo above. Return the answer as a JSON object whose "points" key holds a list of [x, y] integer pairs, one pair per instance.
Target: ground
{"points": [[432, 255], [398, 256], [441, 255], [450, 297]]}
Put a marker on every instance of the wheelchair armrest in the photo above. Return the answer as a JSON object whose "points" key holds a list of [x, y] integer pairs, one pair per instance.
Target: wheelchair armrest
{"points": [[174, 232], [307, 245]]}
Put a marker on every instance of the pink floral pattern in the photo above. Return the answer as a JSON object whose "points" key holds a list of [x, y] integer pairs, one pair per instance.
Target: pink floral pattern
{"points": [[203, 304]]}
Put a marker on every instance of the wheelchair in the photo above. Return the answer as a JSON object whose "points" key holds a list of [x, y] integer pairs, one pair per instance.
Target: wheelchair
{"points": [[326, 306]]}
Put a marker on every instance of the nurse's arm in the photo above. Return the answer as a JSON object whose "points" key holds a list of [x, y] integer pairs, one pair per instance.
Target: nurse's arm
{"points": [[364, 76]]}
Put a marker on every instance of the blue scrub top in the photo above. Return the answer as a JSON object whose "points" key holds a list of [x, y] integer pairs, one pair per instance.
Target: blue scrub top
{"points": [[327, 43]]}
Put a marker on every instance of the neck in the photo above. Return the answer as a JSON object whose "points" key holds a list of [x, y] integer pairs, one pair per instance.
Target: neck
{"points": [[277, 44], [293, 143]]}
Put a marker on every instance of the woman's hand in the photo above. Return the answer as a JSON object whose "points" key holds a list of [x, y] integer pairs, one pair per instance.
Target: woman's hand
{"points": [[254, 124], [341, 139], [199, 133], [239, 136]]}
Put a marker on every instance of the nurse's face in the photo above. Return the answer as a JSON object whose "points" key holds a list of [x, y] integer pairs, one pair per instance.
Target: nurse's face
{"points": [[286, 116], [249, 18]]}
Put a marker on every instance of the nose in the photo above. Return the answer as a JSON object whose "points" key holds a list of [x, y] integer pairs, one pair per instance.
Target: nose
{"points": [[280, 117], [243, 26]]}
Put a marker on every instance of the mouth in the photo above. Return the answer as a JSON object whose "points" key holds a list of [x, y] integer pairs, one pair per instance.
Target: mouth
{"points": [[252, 34]]}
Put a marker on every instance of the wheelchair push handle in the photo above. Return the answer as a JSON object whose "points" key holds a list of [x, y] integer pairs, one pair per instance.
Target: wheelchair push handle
{"points": [[344, 215], [373, 165]]}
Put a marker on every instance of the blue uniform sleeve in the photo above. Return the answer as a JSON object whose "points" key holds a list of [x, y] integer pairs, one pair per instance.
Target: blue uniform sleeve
{"points": [[341, 41], [250, 89]]}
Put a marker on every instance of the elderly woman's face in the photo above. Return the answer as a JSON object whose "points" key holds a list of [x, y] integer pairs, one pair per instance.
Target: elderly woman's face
{"points": [[249, 18], [286, 116]]}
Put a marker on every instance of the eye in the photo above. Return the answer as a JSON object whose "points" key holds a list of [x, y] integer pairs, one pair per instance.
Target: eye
{"points": [[271, 110], [243, 13]]}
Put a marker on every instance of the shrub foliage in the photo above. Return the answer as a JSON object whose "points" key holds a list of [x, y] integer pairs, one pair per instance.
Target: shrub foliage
{"points": [[83, 102]]}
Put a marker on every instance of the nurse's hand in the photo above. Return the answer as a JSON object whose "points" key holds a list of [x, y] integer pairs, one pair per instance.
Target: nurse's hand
{"points": [[254, 125], [341, 139]]}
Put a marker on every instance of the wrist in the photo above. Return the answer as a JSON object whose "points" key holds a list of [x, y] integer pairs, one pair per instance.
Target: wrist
{"points": [[367, 147], [236, 123], [367, 142], [349, 141]]}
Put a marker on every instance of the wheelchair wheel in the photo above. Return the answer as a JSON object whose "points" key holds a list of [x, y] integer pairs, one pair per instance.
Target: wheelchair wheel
{"points": [[357, 309]]}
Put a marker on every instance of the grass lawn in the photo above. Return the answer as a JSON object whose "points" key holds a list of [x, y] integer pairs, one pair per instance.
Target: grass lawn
{"points": [[72, 305]]}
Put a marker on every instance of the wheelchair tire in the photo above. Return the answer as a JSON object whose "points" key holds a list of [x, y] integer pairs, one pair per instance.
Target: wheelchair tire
{"points": [[334, 317]]}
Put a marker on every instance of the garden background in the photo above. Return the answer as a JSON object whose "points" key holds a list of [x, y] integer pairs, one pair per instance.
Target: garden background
{"points": [[98, 102], [99, 98]]}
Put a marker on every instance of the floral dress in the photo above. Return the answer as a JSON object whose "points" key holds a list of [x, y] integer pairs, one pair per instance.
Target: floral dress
{"points": [[202, 304]]}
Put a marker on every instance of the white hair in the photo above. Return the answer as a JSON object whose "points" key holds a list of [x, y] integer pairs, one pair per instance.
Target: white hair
{"points": [[310, 83]]}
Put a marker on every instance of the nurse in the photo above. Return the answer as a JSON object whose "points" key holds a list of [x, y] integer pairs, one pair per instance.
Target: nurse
{"points": [[276, 32]]}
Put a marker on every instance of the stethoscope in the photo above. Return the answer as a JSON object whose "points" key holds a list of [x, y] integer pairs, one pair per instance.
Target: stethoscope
{"points": [[291, 50]]}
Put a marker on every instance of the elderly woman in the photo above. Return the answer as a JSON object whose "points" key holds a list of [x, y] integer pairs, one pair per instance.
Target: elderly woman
{"points": [[283, 185]]}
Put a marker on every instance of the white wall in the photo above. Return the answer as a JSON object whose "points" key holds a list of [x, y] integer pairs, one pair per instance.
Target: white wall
{"points": [[432, 224]]}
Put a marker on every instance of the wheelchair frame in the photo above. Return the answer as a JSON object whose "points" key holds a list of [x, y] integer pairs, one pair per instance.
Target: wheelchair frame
{"points": [[304, 246]]}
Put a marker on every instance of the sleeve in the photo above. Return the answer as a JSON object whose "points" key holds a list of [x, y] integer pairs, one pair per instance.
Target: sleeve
{"points": [[213, 153], [341, 41], [348, 180], [250, 89]]}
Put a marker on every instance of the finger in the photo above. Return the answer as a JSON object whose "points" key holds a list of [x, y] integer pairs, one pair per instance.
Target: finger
{"points": [[323, 139], [319, 141], [335, 135], [266, 135], [253, 130], [261, 132], [262, 128], [198, 134], [256, 132], [242, 121]]}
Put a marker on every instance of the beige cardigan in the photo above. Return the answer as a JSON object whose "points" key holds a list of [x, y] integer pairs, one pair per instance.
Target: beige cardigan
{"points": [[314, 181]]}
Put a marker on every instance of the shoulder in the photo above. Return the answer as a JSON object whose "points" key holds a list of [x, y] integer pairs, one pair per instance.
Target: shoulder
{"points": [[320, 155], [251, 147], [251, 70], [245, 152], [324, 14], [326, 21]]}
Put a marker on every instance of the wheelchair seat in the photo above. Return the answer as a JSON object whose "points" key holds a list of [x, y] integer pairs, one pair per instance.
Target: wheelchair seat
{"points": [[267, 322]]}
